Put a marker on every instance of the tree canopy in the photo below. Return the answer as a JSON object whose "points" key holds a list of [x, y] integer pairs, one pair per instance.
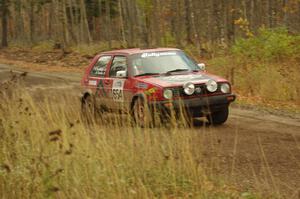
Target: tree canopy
{"points": [[144, 23]]}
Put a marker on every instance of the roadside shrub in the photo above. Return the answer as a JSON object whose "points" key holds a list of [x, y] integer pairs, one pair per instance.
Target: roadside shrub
{"points": [[267, 82], [94, 48], [43, 46], [269, 44], [265, 66], [270, 81]]}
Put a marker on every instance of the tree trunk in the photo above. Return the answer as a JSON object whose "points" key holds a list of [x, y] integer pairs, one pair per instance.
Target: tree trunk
{"points": [[4, 11], [193, 28], [232, 31], [64, 21], [175, 24], [157, 26], [286, 14], [188, 22], [120, 4], [72, 20], [19, 20], [86, 36], [108, 23], [31, 21]]}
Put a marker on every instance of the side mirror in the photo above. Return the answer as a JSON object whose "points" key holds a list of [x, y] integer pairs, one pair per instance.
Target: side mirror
{"points": [[121, 73], [201, 66]]}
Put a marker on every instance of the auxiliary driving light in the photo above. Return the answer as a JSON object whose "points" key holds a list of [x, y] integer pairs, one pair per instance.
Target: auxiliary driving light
{"points": [[189, 88], [225, 88], [168, 94], [211, 85]]}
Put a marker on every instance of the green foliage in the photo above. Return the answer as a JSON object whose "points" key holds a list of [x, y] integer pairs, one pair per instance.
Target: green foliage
{"points": [[248, 195], [43, 46], [92, 8], [168, 39], [265, 66], [269, 44], [220, 64], [192, 51], [95, 48], [268, 81], [146, 5]]}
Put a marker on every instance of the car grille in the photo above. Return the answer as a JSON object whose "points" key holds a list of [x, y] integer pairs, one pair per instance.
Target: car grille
{"points": [[179, 92]]}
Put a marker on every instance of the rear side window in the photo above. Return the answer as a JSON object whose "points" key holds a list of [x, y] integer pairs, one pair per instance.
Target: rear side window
{"points": [[100, 67], [119, 64]]}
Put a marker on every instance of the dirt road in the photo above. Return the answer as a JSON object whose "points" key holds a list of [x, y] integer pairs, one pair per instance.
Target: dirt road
{"points": [[254, 149]]}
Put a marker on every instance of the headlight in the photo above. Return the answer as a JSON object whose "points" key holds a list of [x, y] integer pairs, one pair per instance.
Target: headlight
{"points": [[225, 88], [189, 88], [168, 94], [211, 85]]}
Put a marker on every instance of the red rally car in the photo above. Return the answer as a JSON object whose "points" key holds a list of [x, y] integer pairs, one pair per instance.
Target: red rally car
{"points": [[147, 81]]}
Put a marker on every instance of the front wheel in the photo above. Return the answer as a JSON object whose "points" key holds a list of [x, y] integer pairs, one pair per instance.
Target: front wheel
{"points": [[88, 108], [141, 113], [219, 117]]}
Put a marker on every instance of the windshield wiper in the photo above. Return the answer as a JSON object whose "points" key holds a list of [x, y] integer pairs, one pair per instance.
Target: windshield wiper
{"points": [[176, 70], [145, 74]]}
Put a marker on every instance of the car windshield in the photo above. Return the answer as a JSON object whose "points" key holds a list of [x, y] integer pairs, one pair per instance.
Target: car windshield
{"points": [[154, 63]]}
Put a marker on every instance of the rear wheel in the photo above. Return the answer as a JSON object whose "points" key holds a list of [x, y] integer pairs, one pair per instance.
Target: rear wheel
{"points": [[88, 108], [219, 117]]}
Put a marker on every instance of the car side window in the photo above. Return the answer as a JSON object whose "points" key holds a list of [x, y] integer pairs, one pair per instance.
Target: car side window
{"points": [[119, 64], [100, 67]]}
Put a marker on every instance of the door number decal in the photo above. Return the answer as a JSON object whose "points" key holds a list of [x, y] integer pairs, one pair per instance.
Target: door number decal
{"points": [[117, 90]]}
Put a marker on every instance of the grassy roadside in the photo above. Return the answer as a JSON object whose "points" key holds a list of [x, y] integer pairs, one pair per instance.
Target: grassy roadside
{"points": [[47, 151], [264, 87]]}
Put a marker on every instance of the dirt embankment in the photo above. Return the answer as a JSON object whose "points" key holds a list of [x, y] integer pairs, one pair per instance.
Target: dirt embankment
{"points": [[54, 60]]}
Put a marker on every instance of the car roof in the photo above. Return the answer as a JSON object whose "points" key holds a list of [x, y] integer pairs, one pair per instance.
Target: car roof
{"points": [[132, 51]]}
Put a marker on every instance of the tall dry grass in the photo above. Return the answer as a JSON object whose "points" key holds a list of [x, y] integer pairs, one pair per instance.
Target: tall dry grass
{"points": [[46, 150]]}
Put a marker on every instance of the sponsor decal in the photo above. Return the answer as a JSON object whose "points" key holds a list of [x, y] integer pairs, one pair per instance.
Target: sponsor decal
{"points": [[141, 85], [184, 78], [98, 71], [117, 90], [118, 84], [157, 54], [92, 82], [150, 91], [100, 89]]}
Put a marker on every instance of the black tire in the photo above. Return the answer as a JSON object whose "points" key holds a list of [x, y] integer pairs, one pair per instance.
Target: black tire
{"points": [[184, 118], [219, 117], [141, 113], [189, 121], [88, 108]]}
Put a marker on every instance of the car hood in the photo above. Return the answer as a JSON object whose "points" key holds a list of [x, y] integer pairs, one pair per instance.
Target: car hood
{"points": [[180, 79]]}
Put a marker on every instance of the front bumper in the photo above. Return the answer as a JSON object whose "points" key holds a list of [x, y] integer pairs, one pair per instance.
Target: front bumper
{"points": [[196, 106]]}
